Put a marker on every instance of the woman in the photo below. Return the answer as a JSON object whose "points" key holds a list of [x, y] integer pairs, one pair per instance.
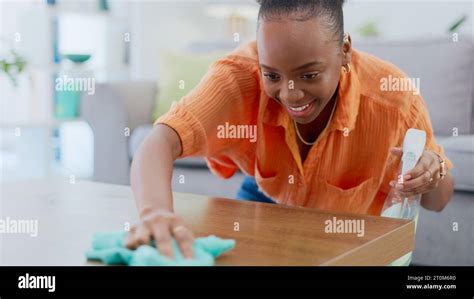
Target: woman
{"points": [[328, 136]]}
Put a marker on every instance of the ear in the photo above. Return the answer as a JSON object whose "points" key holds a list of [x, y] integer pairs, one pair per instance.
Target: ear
{"points": [[346, 49]]}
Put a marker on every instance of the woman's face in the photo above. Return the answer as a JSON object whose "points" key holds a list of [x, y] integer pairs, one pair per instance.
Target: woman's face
{"points": [[300, 65]]}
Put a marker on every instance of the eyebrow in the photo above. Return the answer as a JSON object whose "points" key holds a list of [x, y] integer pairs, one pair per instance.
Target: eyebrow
{"points": [[306, 65]]}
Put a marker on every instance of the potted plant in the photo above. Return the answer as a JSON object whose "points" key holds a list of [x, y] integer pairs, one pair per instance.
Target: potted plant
{"points": [[12, 65]]}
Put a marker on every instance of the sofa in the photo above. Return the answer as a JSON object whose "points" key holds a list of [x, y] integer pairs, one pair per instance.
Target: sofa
{"points": [[446, 71]]}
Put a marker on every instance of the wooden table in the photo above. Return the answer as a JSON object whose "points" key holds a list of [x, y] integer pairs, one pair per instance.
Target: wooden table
{"points": [[68, 215]]}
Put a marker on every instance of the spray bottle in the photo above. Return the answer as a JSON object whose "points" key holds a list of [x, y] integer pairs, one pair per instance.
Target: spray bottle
{"points": [[396, 205]]}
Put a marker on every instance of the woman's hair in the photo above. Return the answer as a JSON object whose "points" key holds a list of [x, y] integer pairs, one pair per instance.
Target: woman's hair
{"points": [[302, 10]]}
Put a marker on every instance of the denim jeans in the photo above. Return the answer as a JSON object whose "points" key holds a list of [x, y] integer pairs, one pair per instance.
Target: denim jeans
{"points": [[249, 191]]}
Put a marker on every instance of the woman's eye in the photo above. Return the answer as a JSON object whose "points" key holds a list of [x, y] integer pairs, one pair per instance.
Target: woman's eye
{"points": [[310, 76], [271, 77]]}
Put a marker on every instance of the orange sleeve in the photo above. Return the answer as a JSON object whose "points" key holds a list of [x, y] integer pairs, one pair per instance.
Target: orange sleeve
{"points": [[226, 94]]}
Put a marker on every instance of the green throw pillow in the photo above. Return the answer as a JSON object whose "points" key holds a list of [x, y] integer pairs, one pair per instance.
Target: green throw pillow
{"points": [[179, 74]]}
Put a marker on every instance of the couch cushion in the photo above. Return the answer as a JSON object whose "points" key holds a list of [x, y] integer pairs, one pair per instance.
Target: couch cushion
{"points": [[460, 150], [445, 69], [139, 134], [138, 100], [179, 73]]}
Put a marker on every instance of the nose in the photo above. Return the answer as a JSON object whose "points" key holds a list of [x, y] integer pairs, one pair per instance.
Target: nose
{"points": [[289, 95]]}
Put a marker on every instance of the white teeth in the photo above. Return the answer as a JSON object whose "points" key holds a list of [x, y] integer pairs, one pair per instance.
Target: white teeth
{"points": [[298, 109]]}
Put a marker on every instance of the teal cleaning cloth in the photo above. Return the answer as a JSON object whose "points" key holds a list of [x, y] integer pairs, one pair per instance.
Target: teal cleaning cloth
{"points": [[110, 249]]}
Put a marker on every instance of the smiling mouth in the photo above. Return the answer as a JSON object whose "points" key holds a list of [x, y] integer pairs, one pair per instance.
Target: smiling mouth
{"points": [[300, 108]]}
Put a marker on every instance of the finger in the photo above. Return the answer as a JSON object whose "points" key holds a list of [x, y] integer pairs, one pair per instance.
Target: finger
{"points": [[417, 171], [415, 192], [427, 188], [425, 163], [426, 177], [142, 235], [130, 239], [162, 235], [394, 184], [397, 151], [185, 239], [417, 182], [421, 189]]}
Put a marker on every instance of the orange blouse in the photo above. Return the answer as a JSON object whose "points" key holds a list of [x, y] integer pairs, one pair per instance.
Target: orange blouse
{"points": [[349, 167]]}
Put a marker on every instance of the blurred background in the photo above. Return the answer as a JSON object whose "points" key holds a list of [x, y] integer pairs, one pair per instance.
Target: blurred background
{"points": [[81, 83]]}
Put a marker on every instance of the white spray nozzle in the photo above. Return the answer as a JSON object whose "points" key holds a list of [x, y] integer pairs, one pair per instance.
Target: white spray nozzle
{"points": [[413, 147]]}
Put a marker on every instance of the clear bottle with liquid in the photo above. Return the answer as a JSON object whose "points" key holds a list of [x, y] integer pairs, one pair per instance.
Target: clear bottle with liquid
{"points": [[398, 206]]}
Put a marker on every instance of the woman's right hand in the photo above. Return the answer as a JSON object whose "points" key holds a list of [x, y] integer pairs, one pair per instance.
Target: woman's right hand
{"points": [[161, 226]]}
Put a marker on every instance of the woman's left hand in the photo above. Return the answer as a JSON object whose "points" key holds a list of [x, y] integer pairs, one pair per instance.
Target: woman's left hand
{"points": [[423, 178]]}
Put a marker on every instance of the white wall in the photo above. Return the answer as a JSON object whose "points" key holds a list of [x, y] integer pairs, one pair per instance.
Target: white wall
{"points": [[408, 19], [171, 25], [166, 24]]}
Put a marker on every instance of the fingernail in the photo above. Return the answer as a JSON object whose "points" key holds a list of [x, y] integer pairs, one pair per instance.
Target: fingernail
{"points": [[407, 177]]}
